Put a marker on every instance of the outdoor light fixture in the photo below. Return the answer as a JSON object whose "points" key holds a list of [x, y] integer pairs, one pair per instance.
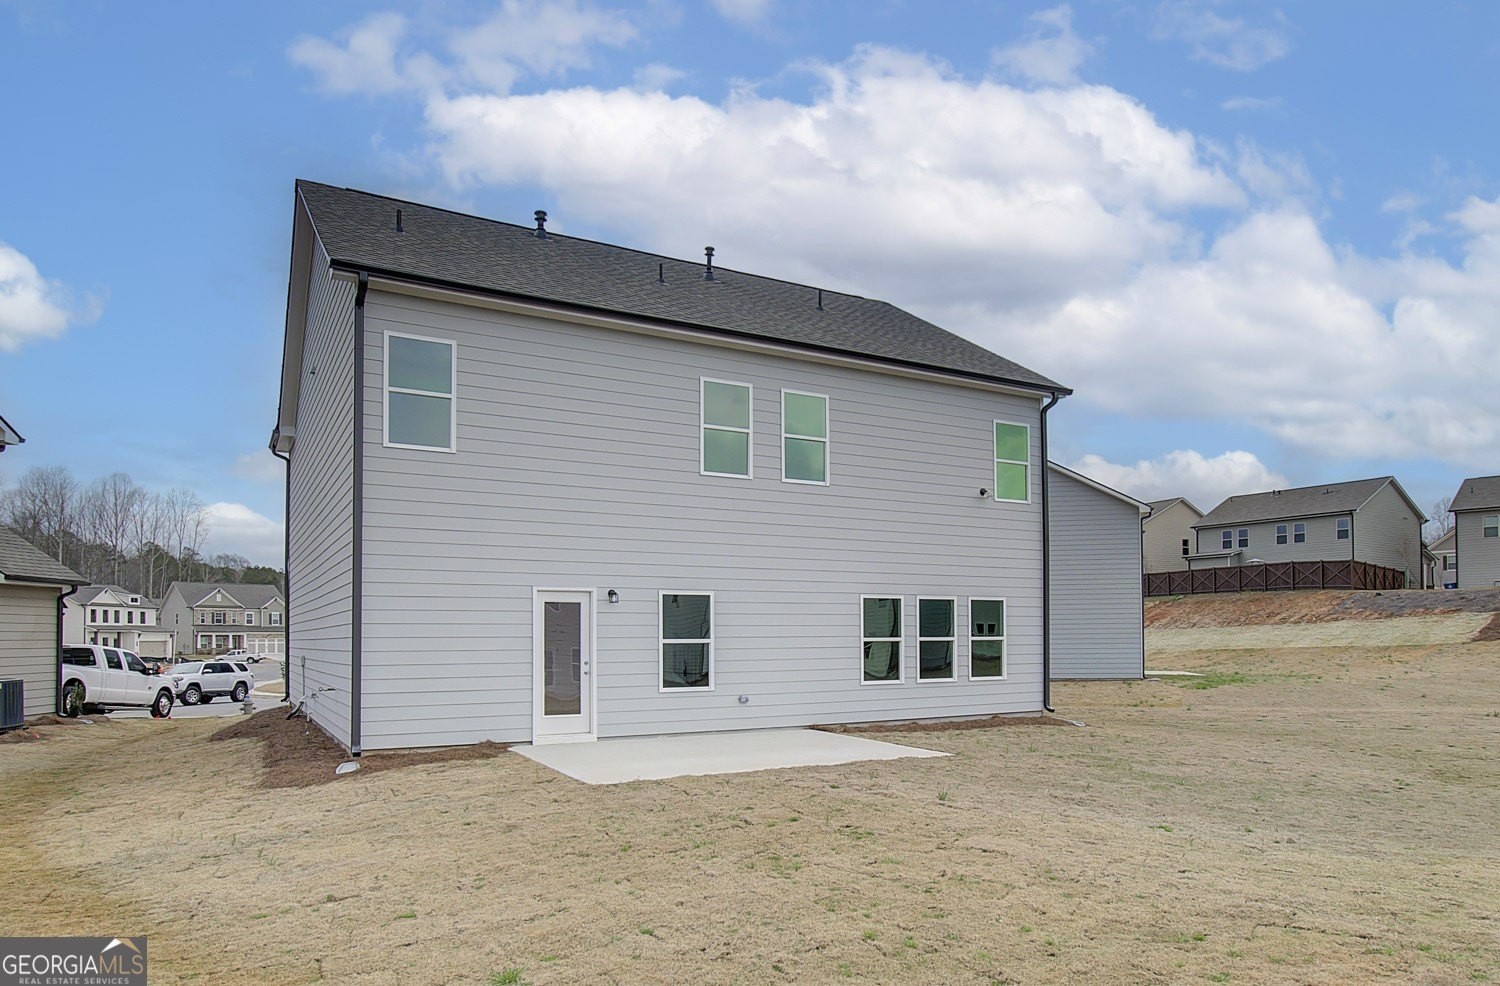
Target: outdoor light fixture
{"points": [[983, 491], [614, 596]]}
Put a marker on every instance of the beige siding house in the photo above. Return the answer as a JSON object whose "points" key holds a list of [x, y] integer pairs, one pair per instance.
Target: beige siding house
{"points": [[110, 615], [1167, 535], [31, 588], [211, 618], [1476, 532], [1369, 520]]}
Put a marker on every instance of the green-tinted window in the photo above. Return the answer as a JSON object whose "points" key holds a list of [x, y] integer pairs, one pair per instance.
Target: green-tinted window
{"points": [[686, 640], [935, 639], [419, 392], [1492, 525], [726, 429], [804, 437], [881, 621], [986, 638], [1012, 461]]}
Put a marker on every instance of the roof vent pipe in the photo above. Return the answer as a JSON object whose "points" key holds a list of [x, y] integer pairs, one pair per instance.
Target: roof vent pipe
{"points": [[820, 299], [541, 224], [708, 271], [399, 227], [661, 273]]}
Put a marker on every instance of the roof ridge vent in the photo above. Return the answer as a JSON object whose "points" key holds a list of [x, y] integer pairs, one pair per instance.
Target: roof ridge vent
{"points": [[541, 224], [708, 269]]}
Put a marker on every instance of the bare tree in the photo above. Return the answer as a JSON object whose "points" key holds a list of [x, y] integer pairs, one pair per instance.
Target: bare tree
{"points": [[1442, 518], [43, 507], [114, 501]]}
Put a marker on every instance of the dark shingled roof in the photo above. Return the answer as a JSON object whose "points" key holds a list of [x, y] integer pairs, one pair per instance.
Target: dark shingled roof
{"points": [[248, 594], [24, 562], [1479, 493], [1306, 501], [358, 229]]}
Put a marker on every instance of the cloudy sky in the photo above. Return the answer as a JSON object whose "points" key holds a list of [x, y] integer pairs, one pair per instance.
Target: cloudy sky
{"points": [[1261, 242]]}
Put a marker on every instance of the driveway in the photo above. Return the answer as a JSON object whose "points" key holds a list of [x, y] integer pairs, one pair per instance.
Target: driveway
{"points": [[267, 678]]}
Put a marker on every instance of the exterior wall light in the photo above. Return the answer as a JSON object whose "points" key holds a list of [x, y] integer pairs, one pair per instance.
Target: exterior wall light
{"points": [[614, 596]]}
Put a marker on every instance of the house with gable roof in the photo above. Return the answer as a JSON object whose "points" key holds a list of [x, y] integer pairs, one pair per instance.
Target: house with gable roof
{"points": [[214, 617], [1368, 520], [614, 493], [1476, 532]]}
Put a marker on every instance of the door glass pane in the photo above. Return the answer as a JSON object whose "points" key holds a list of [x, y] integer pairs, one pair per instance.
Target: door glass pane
{"points": [[420, 365], [726, 452], [726, 404], [804, 460], [416, 420], [562, 636]]}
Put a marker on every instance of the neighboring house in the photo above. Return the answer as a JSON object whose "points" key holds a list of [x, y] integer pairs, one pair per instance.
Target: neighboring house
{"points": [[8, 435], [109, 615], [548, 489], [1476, 530], [1445, 560], [1369, 520], [1094, 532], [1168, 537], [214, 617], [31, 589]]}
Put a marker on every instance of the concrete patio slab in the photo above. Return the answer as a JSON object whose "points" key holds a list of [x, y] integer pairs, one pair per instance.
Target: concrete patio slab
{"points": [[649, 758]]}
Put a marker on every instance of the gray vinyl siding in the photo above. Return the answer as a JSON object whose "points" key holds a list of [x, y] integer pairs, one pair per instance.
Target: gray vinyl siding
{"points": [[1097, 629], [177, 614], [577, 466], [28, 643], [1388, 532], [1322, 542], [1164, 534], [321, 515], [1478, 556]]}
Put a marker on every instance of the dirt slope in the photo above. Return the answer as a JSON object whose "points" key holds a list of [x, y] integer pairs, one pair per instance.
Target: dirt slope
{"points": [[1313, 606]]}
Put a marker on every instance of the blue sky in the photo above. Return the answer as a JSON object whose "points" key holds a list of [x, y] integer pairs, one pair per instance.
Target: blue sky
{"points": [[1261, 242]]}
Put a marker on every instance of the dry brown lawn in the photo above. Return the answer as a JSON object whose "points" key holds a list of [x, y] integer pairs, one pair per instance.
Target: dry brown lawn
{"points": [[1312, 815]]}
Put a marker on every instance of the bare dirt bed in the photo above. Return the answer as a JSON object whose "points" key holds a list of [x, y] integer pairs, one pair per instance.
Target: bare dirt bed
{"points": [[1309, 815], [1312, 606]]}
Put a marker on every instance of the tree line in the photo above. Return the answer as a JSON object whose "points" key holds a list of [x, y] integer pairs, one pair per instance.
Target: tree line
{"points": [[114, 531]]}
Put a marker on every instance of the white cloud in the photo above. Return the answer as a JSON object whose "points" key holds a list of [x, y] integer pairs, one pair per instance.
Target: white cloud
{"points": [[237, 530], [1251, 103], [32, 307], [656, 77], [1187, 473], [259, 467], [747, 12], [1226, 42], [1051, 53], [366, 61]]}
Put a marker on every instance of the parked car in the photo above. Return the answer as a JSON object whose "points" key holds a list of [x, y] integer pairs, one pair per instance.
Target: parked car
{"points": [[204, 681], [95, 676], [240, 655]]}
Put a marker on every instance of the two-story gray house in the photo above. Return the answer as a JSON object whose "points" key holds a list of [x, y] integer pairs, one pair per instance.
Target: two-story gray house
{"points": [[215, 617], [541, 488], [1476, 532], [1369, 520]]}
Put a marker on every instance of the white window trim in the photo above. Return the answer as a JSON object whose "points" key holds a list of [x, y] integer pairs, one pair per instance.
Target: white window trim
{"points": [[1283, 534], [1299, 537], [1242, 537], [249, 617], [275, 619], [1484, 524], [1343, 529], [387, 389], [1226, 536], [662, 641], [995, 493], [703, 426], [827, 448], [901, 665], [1003, 637], [917, 655]]}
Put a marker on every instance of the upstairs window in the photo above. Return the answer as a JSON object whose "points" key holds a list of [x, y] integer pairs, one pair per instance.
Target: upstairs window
{"points": [[804, 438], [1343, 529], [219, 617], [420, 382], [130, 616], [1492, 525], [1185, 551], [275, 619], [1226, 540], [1299, 533], [1244, 537], [249, 617], [93, 616], [726, 429], [1281, 534], [1012, 462]]}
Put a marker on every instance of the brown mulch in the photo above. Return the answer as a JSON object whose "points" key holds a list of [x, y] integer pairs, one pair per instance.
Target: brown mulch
{"points": [[296, 753], [1490, 631], [949, 725], [35, 729]]}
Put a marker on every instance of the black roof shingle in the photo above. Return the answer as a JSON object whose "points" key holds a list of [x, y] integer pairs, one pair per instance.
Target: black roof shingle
{"points": [[24, 562], [1306, 501], [1477, 493], [448, 248]]}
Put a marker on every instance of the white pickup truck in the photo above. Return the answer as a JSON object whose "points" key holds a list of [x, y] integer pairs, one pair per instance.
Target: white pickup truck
{"points": [[110, 678]]}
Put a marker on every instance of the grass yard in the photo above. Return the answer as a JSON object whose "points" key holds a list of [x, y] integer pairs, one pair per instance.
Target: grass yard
{"points": [[1316, 814]]}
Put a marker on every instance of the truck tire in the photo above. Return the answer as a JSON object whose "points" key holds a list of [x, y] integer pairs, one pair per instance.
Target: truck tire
{"points": [[162, 707], [192, 696], [72, 699], [240, 691]]}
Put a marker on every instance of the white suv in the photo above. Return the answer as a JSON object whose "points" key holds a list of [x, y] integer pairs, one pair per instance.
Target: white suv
{"points": [[107, 677], [203, 681]]}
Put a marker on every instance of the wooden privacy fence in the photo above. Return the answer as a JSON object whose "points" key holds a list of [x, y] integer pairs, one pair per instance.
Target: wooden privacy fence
{"points": [[1275, 577]]}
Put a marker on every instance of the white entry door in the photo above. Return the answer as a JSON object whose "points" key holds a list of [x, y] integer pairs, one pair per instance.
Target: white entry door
{"points": [[563, 660]]}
